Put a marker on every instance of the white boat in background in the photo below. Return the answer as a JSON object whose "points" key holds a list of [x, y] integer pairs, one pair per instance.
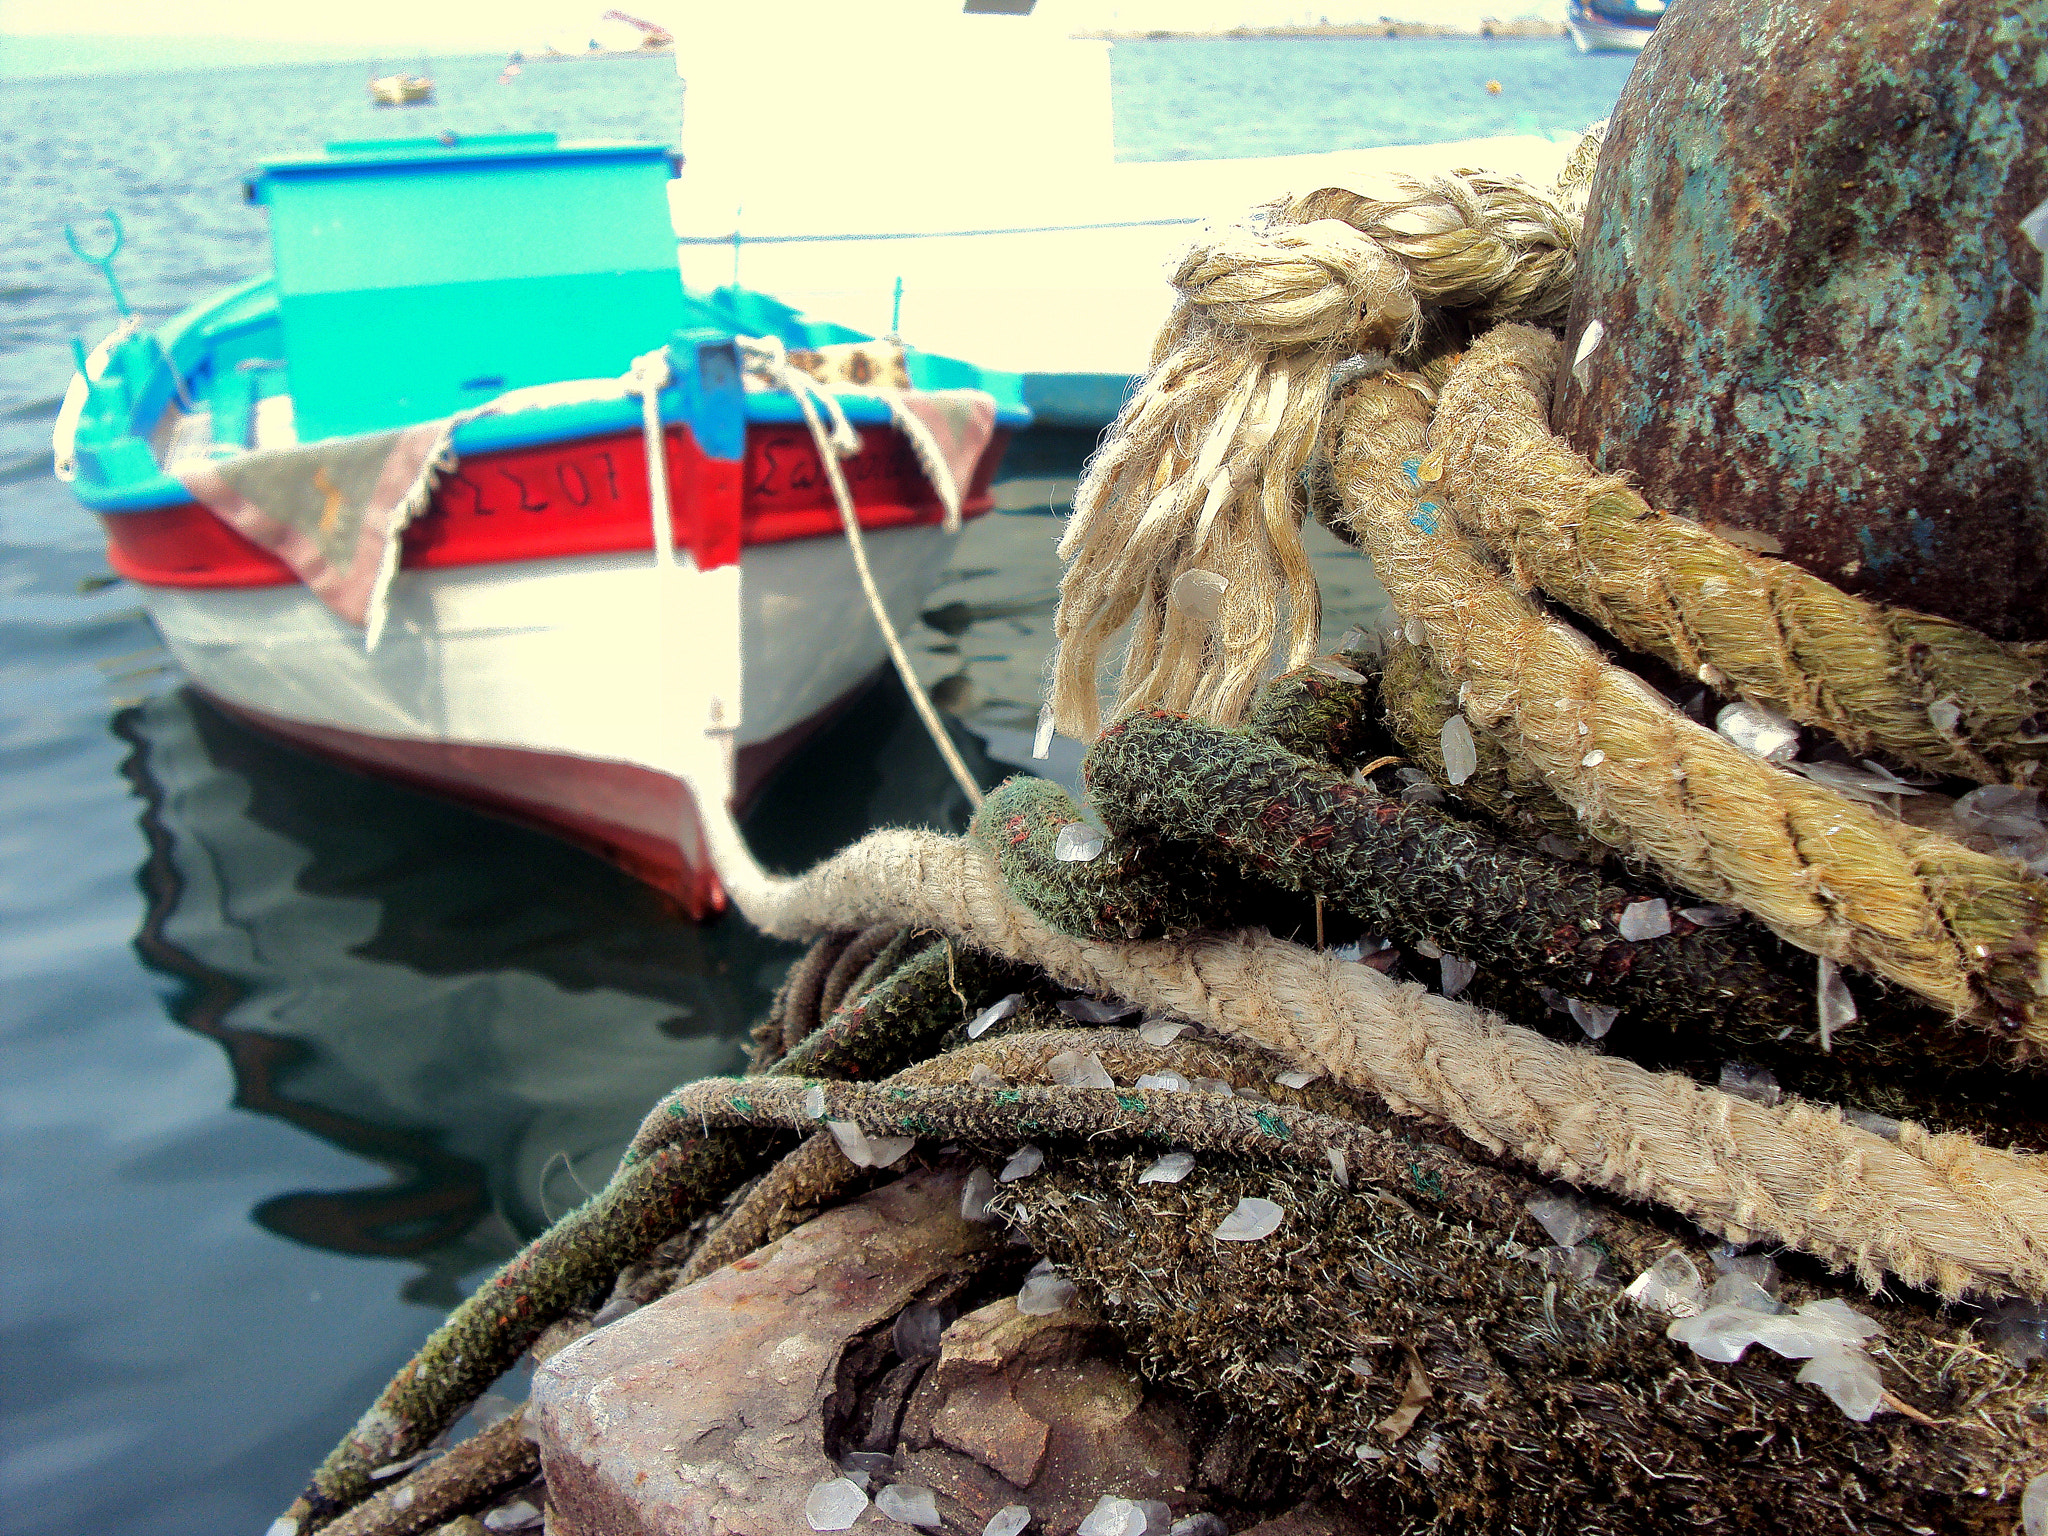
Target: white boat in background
{"points": [[1612, 26], [984, 212], [401, 90]]}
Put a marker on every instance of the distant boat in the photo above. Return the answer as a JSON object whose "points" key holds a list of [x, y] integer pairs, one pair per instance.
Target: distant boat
{"points": [[401, 90], [1612, 26]]}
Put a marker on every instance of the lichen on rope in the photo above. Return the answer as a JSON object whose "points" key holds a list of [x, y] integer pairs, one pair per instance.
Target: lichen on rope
{"points": [[1924, 689], [1827, 874]]}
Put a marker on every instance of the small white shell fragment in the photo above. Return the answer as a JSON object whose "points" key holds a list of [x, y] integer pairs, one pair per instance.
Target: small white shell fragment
{"points": [[1568, 1219], [1207, 1524], [1296, 1079], [908, 1504], [1457, 974], [1593, 759], [1742, 1291], [1849, 1379], [1091, 1010], [915, 1333], [1198, 594], [1671, 1285], [867, 1464], [834, 1505], [1837, 1007], [1027, 1161], [1711, 917], [1415, 631], [1347, 953], [2034, 1502], [1170, 1169], [1214, 1085], [1589, 343], [2035, 227], [1759, 731], [1340, 1166], [1353, 639], [1877, 1125], [1113, 1516], [391, 1469], [2018, 1330], [976, 1191], [814, 1102], [1594, 1018], [1428, 949], [1743, 1081], [516, 1516], [1166, 1082], [1043, 1292], [1008, 1520], [982, 1075], [1945, 715], [283, 1525], [888, 1151], [1642, 920], [1253, 1219], [853, 1142], [994, 1014], [1041, 744], [1078, 843], [1322, 666], [1079, 1069], [1461, 752], [1162, 1031]]}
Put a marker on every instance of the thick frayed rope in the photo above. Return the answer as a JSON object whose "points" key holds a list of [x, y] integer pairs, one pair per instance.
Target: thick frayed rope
{"points": [[1924, 689], [1940, 1210], [1827, 874], [1187, 523]]}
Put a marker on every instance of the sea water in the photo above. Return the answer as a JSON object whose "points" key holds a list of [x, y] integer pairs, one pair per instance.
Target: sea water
{"points": [[295, 1057]]}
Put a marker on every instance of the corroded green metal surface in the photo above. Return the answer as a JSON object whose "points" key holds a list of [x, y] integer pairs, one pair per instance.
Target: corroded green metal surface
{"points": [[1822, 315]]}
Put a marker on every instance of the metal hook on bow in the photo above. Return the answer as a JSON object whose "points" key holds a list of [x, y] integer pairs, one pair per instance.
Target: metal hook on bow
{"points": [[104, 263]]}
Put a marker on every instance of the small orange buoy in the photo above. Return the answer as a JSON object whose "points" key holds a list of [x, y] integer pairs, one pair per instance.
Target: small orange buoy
{"points": [[1493, 87]]}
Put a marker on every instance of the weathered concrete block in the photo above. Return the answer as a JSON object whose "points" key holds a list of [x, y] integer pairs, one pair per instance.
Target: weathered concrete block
{"points": [[703, 1414]]}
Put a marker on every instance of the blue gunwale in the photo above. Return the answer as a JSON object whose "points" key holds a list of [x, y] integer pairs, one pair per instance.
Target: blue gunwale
{"points": [[211, 338]]}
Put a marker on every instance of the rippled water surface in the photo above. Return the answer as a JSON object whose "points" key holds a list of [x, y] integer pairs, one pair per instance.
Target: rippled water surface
{"points": [[295, 1056]]}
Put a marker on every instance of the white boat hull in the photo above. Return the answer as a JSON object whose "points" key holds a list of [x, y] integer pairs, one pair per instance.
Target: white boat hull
{"points": [[565, 692]]}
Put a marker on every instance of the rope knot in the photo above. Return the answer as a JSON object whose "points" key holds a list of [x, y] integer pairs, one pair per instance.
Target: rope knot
{"points": [[1304, 285]]}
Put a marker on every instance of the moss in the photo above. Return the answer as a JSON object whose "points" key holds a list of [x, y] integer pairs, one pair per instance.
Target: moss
{"points": [[1141, 886], [1553, 1405]]}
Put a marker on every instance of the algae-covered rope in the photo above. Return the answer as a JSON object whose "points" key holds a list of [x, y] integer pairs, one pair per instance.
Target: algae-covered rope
{"points": [[1959, 928], [1446, 1377], [1924, 689], [1410, 873], [655, 1193], [1939, 1210]]}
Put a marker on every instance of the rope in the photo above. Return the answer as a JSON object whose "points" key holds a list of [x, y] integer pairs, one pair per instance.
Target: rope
{"points": [[1940, 1210], [1823, 872], [1199, 473], [766, 357], [1924, 689]]}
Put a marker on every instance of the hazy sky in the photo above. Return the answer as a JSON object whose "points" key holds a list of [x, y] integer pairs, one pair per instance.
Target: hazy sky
{"points": [[487, 26]]}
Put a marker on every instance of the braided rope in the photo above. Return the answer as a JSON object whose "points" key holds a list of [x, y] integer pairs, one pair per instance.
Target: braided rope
{"points": [[1939, 1210], [1831, 876], [1199, 475], [1877, 677]]}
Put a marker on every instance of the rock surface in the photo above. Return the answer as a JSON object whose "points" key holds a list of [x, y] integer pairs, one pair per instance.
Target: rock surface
{"points": [[704, 1413]]}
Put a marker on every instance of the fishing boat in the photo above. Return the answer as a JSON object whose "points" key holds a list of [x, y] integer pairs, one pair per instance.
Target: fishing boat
{"points": [[471, 492], [1612, 26], [401, 90]]}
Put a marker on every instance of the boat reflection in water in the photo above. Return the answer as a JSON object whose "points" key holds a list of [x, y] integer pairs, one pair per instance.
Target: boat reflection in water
{"points": [[481, 1009]]}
